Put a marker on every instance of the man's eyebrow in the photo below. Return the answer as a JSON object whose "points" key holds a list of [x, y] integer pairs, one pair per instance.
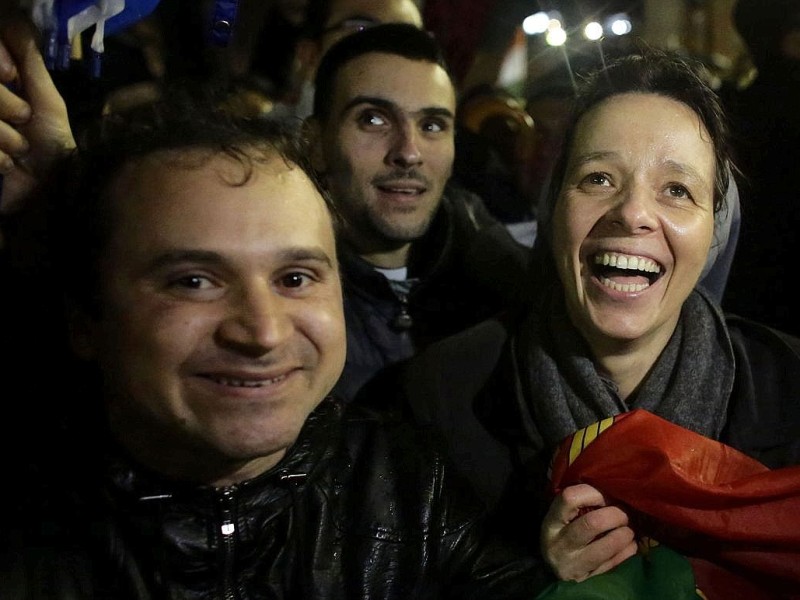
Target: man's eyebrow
{"points": [[211, 257], [306, 253], [429, 111], [172, 257]]}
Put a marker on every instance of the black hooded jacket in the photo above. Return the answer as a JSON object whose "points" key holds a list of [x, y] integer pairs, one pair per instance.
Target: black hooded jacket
{"points": [[468, 268]]}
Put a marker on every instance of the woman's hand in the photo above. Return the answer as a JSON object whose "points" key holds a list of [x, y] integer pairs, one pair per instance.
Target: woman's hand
{"points": [[583, 536]]}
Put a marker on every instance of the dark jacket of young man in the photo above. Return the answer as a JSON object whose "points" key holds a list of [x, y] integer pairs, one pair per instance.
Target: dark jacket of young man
{"points": [[466, 268]]}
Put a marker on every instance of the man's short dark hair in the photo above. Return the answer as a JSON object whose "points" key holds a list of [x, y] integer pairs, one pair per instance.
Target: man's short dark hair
{"points": [[399, 39], [185, 118]]}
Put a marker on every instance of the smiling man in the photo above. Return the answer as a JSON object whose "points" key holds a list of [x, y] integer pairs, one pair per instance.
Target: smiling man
{"points": [[201, 455], [421, 259], [237, 332]]}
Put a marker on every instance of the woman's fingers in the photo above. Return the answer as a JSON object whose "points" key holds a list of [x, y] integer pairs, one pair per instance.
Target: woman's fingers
{"points": [[581, 536]]}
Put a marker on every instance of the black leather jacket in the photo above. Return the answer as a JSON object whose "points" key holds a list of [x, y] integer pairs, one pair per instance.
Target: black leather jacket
{"points": [[468, 267], [356, 510]]}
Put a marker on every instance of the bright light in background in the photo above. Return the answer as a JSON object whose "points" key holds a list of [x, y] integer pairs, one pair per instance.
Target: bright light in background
{"points": [[593, 31], [556, 36], [551, 24], [535, 23], [620, 24]]}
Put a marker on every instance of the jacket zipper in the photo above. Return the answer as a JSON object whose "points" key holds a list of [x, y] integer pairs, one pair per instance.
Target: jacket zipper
{"points": [[402, 321], [227, 533]]}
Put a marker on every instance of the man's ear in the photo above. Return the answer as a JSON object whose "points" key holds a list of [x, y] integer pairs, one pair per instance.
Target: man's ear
{"points": [[312, 130], [82, 334]]}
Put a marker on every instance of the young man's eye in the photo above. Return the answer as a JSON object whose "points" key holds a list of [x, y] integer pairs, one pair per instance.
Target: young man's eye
{"points": [[193, 282], [295, 280], [434, 126], [372, 119]]}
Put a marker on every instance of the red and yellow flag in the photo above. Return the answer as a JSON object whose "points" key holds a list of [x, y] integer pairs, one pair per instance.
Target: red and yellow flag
{"points": [[736, 522]]}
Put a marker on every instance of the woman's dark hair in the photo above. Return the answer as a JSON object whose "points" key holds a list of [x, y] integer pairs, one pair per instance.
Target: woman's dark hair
{"points": [[650, 71]]}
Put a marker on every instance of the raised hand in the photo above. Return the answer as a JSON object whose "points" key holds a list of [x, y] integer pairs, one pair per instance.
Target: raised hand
{"points": [[34, 123]]}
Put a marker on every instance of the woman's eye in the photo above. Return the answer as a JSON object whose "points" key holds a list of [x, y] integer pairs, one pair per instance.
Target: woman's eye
{"points": [[678, 191], [597, 179]]}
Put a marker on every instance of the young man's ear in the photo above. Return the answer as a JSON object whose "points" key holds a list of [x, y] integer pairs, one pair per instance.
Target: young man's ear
{"points": [[313, 133], [82, 334]]}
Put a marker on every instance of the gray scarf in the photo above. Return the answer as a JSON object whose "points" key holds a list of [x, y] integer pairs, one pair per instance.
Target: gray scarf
{"points": [[559, 391]]}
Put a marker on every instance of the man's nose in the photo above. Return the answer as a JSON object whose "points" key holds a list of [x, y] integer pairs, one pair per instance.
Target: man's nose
{"points": [[258, 320], [405, 150]]}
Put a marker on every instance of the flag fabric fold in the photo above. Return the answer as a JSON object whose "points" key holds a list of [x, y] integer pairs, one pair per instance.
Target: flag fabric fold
{"points": [[736, 522]]}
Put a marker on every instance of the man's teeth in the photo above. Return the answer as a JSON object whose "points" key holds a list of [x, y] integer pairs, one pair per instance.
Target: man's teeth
{"points": [[247, 384], [620, 261]]}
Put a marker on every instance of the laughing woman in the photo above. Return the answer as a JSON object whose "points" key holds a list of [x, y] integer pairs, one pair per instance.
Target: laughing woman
{"points": [[620, 322]]}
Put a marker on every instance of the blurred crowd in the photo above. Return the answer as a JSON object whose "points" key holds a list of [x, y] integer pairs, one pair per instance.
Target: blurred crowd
{"points": [[344, 307]]}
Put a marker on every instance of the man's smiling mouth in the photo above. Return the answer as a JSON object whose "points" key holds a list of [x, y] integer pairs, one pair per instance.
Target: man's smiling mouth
{"points": [[245, 383]]}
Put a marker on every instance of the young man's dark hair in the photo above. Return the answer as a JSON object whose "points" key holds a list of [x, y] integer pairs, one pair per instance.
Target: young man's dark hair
{"points": [[399, 39]]}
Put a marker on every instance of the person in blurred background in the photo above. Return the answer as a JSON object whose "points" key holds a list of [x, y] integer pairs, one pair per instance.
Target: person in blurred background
{"points": [[766, 126], [328, 21], [495, 140]]}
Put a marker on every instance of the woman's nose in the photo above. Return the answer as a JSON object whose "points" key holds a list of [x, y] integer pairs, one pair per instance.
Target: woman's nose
{"points": [[635, 208]]}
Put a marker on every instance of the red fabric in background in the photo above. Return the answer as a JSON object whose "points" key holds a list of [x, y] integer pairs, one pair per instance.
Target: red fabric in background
{"points": [[698, 496], [459, 26]]}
